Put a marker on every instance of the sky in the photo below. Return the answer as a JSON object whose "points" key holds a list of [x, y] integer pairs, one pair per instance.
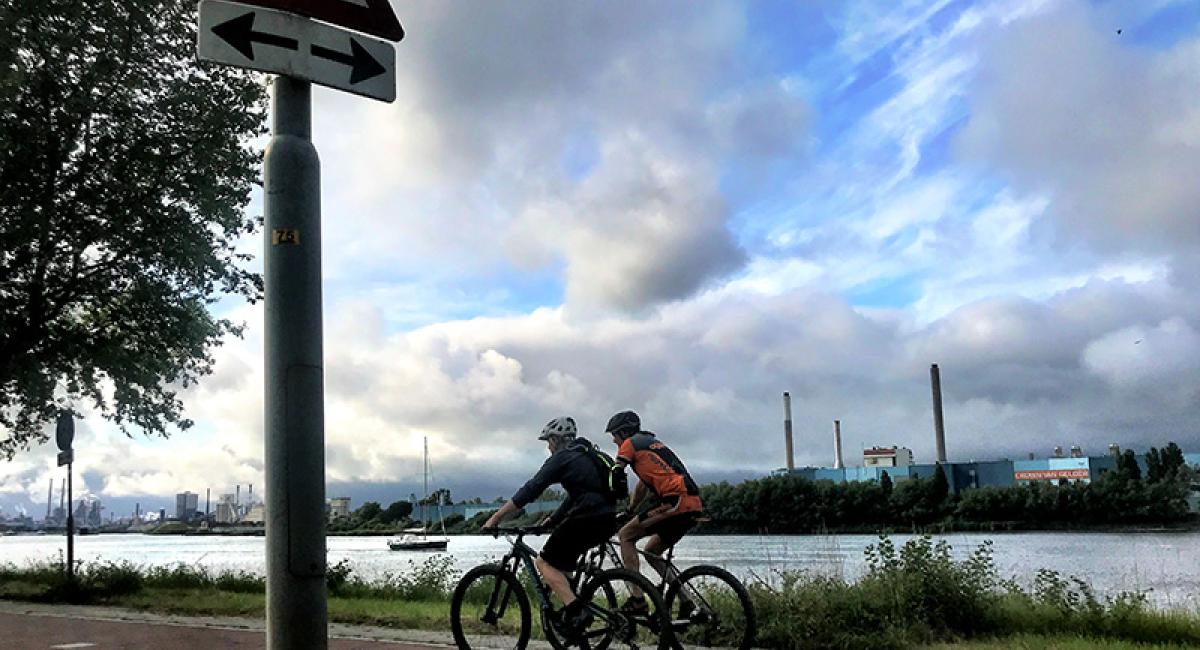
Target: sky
{"points": [[688, 208]]}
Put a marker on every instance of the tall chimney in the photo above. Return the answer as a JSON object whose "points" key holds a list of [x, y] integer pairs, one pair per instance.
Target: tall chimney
{"points": [[237, 499], [250, 495], [837, 444], [787, 429], [49, 498], [939, 427], [62, 499], [207, 500]]}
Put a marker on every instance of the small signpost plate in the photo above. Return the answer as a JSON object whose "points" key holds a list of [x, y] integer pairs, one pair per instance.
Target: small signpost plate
{"points": [[374, 17], [273, 41], [64, 432], [66, 457]]}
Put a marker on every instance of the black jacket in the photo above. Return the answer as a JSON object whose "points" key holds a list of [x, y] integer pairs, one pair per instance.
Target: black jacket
{"points": [[587, 488]]}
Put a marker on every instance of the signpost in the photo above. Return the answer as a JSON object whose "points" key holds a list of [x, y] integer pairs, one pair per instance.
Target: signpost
{"points": [[274, 41], [280, 36], [373, 17], [64, 435]]}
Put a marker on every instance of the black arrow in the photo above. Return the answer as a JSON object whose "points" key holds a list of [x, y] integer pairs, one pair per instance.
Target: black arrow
{"points": [[240, 33], [363, 66]]}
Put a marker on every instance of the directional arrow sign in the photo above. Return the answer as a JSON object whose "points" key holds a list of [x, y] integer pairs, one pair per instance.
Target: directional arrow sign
{"points": [[373, 17], [283, 43]]}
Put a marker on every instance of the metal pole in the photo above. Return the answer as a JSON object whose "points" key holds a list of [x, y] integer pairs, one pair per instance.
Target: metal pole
{"points": [[425, 473], [939, 427], [294, 400], [70, 528]]}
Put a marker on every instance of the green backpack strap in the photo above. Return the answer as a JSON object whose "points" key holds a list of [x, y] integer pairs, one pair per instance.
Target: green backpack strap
{"points": [[617, 484]]}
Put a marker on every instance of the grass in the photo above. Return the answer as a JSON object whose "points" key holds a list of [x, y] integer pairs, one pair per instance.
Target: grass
{"points": [[912, 596]]}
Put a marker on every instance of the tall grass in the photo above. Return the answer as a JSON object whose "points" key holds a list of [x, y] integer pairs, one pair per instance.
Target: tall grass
{"points": [[909, 596], [918, 594]]}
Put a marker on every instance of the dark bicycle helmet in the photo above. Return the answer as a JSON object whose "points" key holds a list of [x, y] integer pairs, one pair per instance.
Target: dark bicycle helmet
{"points": [[625, 423]]}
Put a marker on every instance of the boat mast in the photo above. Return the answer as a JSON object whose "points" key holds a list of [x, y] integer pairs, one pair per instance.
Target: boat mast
{"points": [[424, 502]]}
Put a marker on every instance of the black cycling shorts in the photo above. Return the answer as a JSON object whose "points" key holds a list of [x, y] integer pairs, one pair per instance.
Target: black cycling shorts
{"points": [[673, 528], [574, 536]]}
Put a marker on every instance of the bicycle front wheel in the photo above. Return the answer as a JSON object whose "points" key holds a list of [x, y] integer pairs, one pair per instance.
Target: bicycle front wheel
{"points": [[710, 608], [489, 609], [614, 627]]}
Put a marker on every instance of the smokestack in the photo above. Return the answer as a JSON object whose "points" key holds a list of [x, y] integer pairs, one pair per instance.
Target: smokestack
{"points": [[237, 499], [62, 498], [49, 499], [837, 444], [939, 427], [207, 500], [250, 495], [787, 429]]}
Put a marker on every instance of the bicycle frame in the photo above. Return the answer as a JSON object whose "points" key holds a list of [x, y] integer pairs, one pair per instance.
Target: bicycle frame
{"points": [[520, 556], [609, 551]]}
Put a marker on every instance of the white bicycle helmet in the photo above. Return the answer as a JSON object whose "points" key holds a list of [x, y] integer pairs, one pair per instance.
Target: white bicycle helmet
{"points": [[563, 427]]}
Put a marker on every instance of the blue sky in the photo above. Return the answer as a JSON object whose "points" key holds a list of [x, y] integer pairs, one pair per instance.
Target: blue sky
{"points": [[688, 208]]}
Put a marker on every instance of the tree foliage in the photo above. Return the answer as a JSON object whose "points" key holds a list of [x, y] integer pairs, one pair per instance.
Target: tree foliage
{"points": [[125, 169], [397, 511], [793, 504]]}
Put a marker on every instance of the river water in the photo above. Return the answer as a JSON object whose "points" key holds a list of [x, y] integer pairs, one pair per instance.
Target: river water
{"points": [[1165, 566]]}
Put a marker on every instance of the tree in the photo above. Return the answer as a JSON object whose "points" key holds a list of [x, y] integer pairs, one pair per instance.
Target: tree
{"points": [[1127, 466], [939, 487], [1172, 460], [125, 169], [440, 496], [398, 511], [368, 512], [885, 484], [1154, 468]]}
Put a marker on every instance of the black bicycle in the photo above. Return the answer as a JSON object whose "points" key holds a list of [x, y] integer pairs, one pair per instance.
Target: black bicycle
{"points": [[707, 605], [490, 606]]}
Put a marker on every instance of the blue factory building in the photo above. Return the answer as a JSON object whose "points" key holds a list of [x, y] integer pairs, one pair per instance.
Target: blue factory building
{"points": [[977, 474]]}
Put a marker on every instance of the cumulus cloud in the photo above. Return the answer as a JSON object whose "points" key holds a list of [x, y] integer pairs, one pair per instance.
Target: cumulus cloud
{"points": [[706, 373], [542, 135], [1110, 131]]}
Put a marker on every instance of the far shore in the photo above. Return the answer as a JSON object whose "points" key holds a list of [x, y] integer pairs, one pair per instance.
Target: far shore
{"points": [[996, 528]]}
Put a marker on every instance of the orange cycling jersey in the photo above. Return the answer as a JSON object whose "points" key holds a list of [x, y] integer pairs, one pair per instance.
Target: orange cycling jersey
{"points": [[660, 470]]}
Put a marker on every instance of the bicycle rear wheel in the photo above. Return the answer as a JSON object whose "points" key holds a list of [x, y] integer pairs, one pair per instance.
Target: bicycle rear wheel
{"points": [[489, 609], [710, 608], [613, 628]]}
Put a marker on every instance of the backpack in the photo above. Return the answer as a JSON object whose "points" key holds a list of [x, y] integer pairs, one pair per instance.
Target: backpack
{"points": [[617, 487]]}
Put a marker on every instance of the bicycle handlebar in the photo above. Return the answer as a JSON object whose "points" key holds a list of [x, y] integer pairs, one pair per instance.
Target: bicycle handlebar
{"points": [[515, 530]]}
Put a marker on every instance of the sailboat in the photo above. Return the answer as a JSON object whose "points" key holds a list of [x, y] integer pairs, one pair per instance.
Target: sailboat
{"points": [[418, 539]]}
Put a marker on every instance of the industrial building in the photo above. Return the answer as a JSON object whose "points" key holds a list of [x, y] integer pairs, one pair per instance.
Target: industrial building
{"points": [[338, 508], [186, 504], [899, 465], [977, 474]]}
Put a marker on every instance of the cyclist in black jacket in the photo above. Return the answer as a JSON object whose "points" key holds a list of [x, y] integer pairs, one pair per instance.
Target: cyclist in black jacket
{"points": [[587, 517]]}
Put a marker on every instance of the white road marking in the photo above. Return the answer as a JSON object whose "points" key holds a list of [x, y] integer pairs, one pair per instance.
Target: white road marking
{"points": [[65, 646]]}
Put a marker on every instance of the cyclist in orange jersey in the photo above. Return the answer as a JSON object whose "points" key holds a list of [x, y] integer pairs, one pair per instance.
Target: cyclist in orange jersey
{"points": [[663, 476]]}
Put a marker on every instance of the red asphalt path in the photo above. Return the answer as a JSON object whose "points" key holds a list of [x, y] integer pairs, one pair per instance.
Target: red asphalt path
{"points": [[41, 631]]}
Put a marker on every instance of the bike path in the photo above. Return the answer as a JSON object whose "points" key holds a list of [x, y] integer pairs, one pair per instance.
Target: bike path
{"points": [[69, 627]]}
